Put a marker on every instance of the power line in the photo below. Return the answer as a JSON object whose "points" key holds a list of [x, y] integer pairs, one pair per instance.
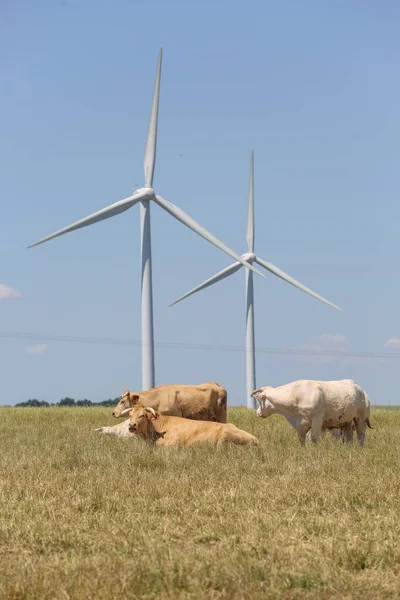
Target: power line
{"points": [[205, 347]]}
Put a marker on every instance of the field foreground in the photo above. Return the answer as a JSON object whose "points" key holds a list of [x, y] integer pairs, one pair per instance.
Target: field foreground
{"points": [[87, 516]]}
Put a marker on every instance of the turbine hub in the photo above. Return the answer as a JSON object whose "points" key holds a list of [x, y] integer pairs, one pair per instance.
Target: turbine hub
{"points": [[249, 257], [148, 193]]}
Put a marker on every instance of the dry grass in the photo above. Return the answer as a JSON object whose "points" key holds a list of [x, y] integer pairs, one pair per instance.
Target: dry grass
{"points": [[85, 516]]}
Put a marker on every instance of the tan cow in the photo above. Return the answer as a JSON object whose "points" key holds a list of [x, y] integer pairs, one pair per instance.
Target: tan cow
{"points": [[204, 402], [176, 431]]}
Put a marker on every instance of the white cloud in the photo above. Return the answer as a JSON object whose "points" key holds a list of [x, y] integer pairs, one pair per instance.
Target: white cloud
{"points": [[333, 340], [8, 292], [392, 343], [322, 345], [38, 349]]}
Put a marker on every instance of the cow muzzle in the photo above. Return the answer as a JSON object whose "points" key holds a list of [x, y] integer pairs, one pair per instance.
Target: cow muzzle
{"points": [[132, 427]]}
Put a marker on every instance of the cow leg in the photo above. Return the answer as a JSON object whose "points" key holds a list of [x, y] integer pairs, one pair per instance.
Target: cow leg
{"points": [[336, 434], [360, 428], [303, 431], [347, 433], [323, 433], [302, 438], [316, 427], [222, 441]]}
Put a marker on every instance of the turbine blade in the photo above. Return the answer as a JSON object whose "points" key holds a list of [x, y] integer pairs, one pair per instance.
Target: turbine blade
{"points": [[214, 279], [250, 212], [151, 144], [184, 218], [279, 273], [100, 215]]}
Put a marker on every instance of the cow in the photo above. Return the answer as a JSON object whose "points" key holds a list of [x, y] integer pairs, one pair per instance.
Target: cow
{"points": [[318, 405], [121, 430], [204, 402], [343, 434], [164, 430]]}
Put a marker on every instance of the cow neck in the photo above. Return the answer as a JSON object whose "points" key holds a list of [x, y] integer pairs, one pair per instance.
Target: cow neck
{"points": [[157, 427], [159, 424], [289, 414]]}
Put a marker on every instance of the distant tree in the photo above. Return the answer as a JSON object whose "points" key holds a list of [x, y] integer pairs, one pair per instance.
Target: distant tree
{"points": [[109, 402], [67, 402], [33, 402], [70, 402], [84, 403]]}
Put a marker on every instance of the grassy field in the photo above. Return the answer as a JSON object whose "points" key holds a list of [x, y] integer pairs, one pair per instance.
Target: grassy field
{"points": [[88, 516]]}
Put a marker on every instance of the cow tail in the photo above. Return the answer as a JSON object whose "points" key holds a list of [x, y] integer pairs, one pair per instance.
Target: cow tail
{"points": [[222, 398], [366, 420], [221, 408], [369, 408]]}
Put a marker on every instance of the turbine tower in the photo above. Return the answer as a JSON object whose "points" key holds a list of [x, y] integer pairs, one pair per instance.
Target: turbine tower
{"points": [[145, 195], [251, 258]]}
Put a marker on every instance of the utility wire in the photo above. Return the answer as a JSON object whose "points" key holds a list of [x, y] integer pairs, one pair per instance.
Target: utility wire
{"points": [[206, 347]]}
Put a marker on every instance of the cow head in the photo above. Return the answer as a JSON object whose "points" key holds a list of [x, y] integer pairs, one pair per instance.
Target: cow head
{"points": [[139, 419], [126, 401], [265, 408]]}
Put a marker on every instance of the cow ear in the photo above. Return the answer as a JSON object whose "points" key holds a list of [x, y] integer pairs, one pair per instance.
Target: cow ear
{"points": [[134, 398], [257, 394], [151, 413]]}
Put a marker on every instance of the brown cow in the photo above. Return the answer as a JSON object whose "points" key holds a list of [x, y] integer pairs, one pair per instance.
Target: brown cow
{"points": [[204, 402], [171, 431]]}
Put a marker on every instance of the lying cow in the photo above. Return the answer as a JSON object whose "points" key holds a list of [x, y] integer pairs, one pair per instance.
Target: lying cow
{"points": [[318, 405], [121, 430], [171, 431], [205, 402]]}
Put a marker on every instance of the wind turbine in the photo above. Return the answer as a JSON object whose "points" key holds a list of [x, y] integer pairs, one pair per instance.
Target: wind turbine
{"points": [[251, 258], [144, 196]]}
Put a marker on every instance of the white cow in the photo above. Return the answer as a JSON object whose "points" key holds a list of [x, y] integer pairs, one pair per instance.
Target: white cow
{"points": [[121, 430], [343, 434], [318, 405]]}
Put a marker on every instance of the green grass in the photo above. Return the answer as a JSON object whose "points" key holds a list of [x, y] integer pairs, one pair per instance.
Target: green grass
{"points": [[88, 516]]}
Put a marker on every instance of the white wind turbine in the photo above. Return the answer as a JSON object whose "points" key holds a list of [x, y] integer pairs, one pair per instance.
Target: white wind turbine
{"points": [[250, 257], [144, 196]]}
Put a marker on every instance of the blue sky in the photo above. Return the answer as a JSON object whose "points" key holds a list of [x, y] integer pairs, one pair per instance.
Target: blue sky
{"points": [[310, 86]]}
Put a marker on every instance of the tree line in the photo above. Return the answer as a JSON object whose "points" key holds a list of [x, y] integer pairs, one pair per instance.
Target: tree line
{"points": [[68, 402]]}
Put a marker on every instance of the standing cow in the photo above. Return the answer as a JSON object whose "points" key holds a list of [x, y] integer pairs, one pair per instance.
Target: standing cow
{"points": [[204, 402], [318, 405]]}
